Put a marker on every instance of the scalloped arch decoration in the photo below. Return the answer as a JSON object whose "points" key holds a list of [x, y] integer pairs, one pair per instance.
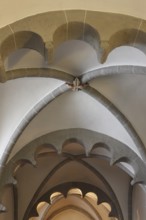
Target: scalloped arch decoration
{"points": [[43, 32]]}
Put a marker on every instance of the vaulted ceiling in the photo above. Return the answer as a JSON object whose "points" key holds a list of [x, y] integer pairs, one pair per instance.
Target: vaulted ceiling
{"points": [[72, 92]]}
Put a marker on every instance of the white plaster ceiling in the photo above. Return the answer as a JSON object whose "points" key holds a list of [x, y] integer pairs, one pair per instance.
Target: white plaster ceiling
{"points": [[75, 110], [18, 97], [128, 94]]}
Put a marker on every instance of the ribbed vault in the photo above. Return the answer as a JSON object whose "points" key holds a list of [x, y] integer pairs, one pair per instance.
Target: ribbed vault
{"points": [[73, 114]]}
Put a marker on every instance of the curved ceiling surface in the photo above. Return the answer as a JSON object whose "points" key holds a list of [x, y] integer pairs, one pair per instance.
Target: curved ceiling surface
{"points": [[9, 12], [79, 50], [65, 112], [72, 80]]}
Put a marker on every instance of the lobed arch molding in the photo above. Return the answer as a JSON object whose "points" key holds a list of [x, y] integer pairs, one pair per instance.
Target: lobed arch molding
{"points": [[88, 141], [45, 32]]}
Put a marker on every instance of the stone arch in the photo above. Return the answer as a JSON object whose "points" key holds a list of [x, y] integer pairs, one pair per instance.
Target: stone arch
{"points": [[127, 37], [22, 39], [39, 72], [119, 151], [76, 30], [90, 138], [85, 188], [112, 70]]}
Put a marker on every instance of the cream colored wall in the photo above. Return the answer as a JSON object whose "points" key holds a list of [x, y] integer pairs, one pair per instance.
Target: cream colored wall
{"points": [[11, 11]]}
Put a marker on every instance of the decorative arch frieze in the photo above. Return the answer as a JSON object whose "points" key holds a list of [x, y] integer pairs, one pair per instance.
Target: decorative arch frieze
{"points": [[119, 151], [44, 32]]}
